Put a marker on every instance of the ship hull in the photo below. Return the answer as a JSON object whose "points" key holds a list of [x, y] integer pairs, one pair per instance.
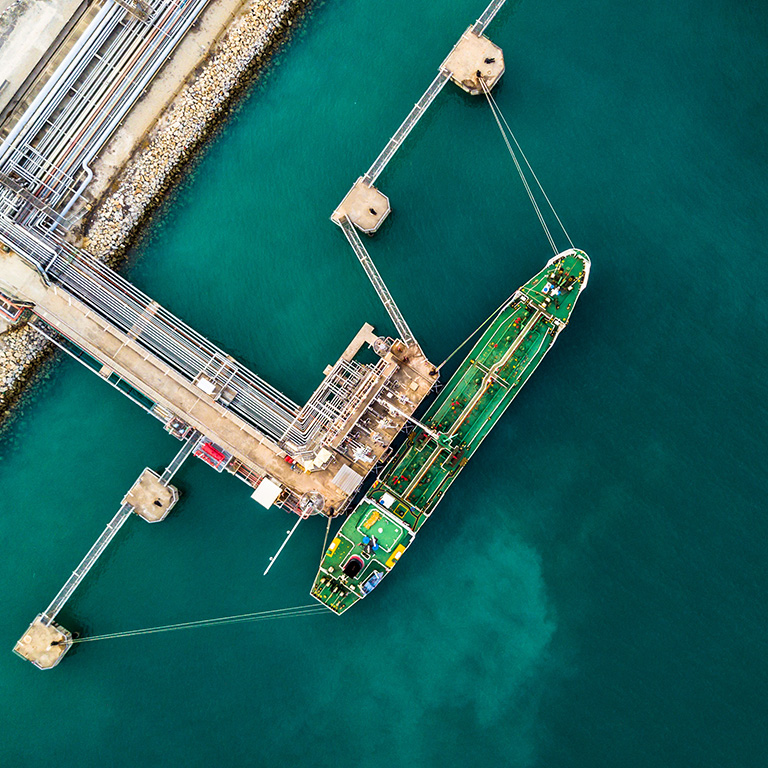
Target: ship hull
{"points": [[384, 524]]}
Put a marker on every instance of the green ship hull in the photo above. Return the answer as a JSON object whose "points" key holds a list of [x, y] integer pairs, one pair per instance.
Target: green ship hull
{"points": [[384, 524]]}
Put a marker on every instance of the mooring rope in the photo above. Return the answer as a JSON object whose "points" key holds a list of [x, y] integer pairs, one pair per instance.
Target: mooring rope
{"points": [[489, 95], [519, 169], [499, 117], [278, 613], [475, 332]]}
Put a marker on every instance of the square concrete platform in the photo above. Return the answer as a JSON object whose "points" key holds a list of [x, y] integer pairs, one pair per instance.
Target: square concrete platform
{"points": [[472, 54], [364, 206], [151, 499], [43, 645]]}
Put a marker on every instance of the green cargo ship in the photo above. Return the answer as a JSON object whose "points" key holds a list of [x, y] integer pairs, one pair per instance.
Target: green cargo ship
{"points": [[384, 524]]}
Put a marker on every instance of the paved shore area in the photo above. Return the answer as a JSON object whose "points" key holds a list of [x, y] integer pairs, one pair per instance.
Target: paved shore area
{"points": [[27, 29], [141, 160]]}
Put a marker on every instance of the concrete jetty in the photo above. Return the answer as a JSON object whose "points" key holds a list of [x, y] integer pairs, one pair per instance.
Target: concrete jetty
{"points": [[198, 404], [150, 498], [473, 59], [364, 205], [307, 460]]}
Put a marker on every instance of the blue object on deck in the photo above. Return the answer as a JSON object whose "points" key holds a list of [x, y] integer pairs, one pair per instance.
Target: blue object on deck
{"points": [[374, 579]]}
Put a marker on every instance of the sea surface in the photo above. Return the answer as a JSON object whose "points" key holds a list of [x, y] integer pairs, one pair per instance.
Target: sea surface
{"points": [[592, 591]]}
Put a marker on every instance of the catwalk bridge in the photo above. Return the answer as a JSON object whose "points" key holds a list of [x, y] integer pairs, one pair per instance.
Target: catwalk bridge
{"points": [[455, 66], [475, 64]]}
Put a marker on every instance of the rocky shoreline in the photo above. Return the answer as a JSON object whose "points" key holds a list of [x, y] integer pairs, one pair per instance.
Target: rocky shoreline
{"points": [[22, 349], [141, 184]]}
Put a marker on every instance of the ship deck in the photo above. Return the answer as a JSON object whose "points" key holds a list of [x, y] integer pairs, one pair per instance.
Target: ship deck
{"points": [[368, 519]]}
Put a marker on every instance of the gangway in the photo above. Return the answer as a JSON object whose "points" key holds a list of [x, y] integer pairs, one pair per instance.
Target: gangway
{"points": [[401, 134], [109, 533], [373, 275], [186, 451], [72, 583], [487, 16]]}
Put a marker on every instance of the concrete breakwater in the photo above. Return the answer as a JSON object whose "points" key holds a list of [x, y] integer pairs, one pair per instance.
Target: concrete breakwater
{"points": [[143, 180]]}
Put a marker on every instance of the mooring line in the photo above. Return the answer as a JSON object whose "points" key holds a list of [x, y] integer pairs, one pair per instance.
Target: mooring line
{"points": [[533, 173], [477, 330], [520, 170], [278, 613]]}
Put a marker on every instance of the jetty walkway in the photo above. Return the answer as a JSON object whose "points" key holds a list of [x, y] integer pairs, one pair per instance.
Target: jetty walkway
{"points": [[475, 64], [151, 497], [448, 70]]}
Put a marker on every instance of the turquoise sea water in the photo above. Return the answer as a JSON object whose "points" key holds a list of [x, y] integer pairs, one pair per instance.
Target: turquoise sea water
{"points": [[592, 590]]}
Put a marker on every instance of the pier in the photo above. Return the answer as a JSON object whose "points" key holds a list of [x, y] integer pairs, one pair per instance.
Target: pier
{"points": [[253, 429], [472, 59], [151, 498], [308, 459]]}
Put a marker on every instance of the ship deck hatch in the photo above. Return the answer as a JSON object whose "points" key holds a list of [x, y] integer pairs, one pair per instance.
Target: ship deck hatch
{"points": [[353, 566]]}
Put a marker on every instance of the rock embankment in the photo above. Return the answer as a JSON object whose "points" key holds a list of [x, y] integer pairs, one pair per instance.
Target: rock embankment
{"points": [[185, 123], [147, 175], [21, 349]]}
